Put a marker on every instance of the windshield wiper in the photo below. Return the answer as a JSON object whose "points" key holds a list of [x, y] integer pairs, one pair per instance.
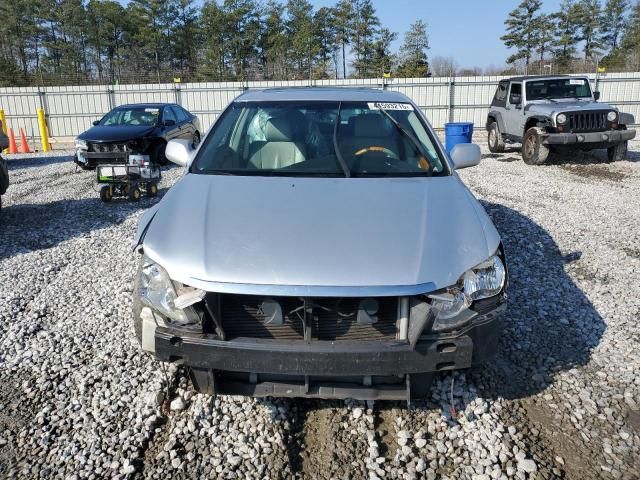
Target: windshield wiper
{"points": [[410, 136], [343, 164]]}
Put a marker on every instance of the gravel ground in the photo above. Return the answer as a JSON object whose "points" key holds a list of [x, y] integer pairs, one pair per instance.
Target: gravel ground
{"points": [[78, 399]]}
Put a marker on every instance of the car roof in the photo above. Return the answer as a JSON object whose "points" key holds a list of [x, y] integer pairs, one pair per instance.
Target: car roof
{"points": [[145, 105], [335, 94], [539, 77]]}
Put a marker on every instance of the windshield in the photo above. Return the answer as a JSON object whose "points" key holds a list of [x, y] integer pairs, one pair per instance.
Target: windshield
{"points": [[319, 139], [145, 116], [558, 88]]}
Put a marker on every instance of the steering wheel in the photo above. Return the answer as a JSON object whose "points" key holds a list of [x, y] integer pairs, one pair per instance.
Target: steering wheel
{"points": [[378, 149]]}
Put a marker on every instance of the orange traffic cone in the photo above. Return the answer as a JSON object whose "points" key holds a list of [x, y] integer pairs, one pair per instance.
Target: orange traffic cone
{"points": [[24, 146], [13, 148]]}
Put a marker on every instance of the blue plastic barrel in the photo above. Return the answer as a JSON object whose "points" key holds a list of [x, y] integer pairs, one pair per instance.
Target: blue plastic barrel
{"points": [[457, 132]]}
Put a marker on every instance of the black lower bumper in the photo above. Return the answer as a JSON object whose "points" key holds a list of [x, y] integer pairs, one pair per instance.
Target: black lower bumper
{"points": [[334, 359], [602, 138]]}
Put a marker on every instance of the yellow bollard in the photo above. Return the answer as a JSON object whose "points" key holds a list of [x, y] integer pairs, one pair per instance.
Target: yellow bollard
{"points": [[3, 119], [44, 135]]}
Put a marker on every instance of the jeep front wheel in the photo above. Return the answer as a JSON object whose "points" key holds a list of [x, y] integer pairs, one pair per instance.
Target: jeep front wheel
{"points": [[618, 152], [495, 141], [533, 151]]}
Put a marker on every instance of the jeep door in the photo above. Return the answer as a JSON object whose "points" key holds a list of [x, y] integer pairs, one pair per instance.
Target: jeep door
{"points": [[514, 111]]}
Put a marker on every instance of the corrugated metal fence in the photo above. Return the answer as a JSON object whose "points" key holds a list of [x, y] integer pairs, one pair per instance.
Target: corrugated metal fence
{"points": [[70, 110]]}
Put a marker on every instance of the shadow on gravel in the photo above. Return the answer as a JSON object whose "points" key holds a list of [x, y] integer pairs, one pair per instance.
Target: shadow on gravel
{"points": [[550, 325], [29, 227], [22, 163]]}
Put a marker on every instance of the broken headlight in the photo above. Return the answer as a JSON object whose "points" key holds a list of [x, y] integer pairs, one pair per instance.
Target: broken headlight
{"points": [[451, 308], [158, 292], [81, 144]]}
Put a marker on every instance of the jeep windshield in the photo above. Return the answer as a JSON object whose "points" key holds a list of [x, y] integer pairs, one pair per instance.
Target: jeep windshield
{"points": [[321, 138], [558, 88]]}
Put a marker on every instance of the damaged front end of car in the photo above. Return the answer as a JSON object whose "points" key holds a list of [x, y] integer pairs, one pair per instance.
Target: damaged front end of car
{"points": [[369, 343]]}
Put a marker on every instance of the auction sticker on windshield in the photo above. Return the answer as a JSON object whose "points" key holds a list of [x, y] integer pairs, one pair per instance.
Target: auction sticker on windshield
{"points": [[579, 81], [390, 106]]}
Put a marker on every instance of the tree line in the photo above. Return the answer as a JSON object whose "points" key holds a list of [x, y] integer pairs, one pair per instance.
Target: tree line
{"points": [[581, 36], [78, 41]]}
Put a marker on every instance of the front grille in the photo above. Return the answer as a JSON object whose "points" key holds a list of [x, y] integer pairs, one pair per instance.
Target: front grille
{"points": [[334, 319], [107, 147], [587, 121]]}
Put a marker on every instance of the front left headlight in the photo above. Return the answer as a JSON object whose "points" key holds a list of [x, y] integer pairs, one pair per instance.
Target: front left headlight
{"points": [[451, 307], [158, 292], [484, 280], [611, 116], [81, 144]]}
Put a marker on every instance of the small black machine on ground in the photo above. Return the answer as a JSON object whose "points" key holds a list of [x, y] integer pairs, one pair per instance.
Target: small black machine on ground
{"points": [[139, 175]]}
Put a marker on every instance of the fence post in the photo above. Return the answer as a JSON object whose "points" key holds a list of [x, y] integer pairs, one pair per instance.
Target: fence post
{"points": [[177, 93], [452, 83], [42, 96], [111, 98]]}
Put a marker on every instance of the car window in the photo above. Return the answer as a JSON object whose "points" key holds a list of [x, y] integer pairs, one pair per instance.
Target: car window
{"points": [[500, 98], [169, 114], [300, 139], [515, 93], [181, 115]]}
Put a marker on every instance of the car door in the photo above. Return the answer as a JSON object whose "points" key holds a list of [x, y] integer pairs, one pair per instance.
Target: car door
{"points": [[171, 127], [514, 113]]}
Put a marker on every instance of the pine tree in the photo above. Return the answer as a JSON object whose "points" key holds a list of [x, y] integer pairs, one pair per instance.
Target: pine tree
{"points": [[413, 53], [630, 43], [566, 33], [343, 15], [325, 40], [275, 42], [214, 41], [589, 27], [612, 23], [383, 60], [522, 31], [300, 30], [365, 28], [544, 36]]}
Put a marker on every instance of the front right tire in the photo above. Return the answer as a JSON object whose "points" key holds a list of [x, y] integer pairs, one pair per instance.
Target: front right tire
{"points": [[618, 152], [533, 150]]}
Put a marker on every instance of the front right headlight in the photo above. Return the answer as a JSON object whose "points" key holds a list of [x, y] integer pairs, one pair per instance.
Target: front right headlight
{"points": [[81, 144], [158, 292], [561, 119]]}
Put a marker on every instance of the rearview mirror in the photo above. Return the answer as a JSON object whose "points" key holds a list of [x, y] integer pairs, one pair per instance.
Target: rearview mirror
{"points": [[465, 155], [596, 95], [179, 151], [96, 123]]}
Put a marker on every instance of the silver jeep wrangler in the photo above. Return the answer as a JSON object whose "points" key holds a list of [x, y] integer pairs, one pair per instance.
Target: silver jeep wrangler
{"points": [[551, 114]]}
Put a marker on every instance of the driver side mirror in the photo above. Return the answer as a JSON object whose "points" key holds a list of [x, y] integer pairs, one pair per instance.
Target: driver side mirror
{"points": [[169, 123], [96, 123], [515, 99], [596, 95], [465, 155], [179, 151]]}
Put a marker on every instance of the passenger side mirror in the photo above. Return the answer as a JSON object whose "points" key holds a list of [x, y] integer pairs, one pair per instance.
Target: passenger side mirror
{"points": [[515, 99], [169, 123], [596, 95], [96, 123], [179, 151], [464, 155]]}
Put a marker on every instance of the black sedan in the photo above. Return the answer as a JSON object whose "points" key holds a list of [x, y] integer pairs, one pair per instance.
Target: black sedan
{"points": [[135, 129]]}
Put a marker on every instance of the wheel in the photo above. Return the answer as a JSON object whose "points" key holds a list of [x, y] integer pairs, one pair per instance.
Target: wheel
{"points": [[196, 140], [618, 152], [106, 194], [134, 194], [152, 189], [495, 141], [533, 151], [157, 154]]}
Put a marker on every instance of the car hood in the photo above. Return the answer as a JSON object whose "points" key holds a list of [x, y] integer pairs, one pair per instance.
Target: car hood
{"points": [[212, 230], [107, 134], [548, 108]]}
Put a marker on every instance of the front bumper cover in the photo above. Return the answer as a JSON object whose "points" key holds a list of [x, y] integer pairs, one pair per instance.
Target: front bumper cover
{"points": [[607, 137]]}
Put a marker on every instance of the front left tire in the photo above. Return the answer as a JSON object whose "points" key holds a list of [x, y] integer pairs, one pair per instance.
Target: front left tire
{"points": [[533, 150]]}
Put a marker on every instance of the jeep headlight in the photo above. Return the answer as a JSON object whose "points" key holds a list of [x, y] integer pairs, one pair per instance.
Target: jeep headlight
{"points": [[451, 308], [561, 119], [81, 144], [612, 116], [158, 292]]}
